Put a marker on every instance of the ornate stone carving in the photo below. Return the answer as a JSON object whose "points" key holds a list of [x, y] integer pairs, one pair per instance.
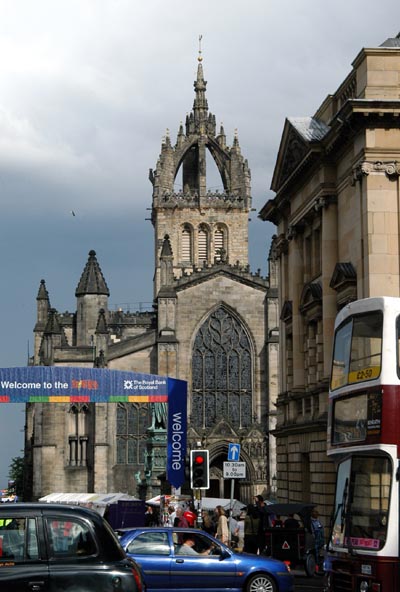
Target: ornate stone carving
{"points": [[391, 169]]}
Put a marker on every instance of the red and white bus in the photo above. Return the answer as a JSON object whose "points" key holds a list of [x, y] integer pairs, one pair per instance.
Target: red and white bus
{"points": [[364, 441]]}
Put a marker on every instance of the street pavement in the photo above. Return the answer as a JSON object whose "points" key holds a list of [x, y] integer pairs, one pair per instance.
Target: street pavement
{"points": [[306, 584]]}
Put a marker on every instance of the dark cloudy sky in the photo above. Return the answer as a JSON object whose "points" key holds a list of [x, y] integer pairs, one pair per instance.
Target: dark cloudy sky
{"points": [[87, 90]]}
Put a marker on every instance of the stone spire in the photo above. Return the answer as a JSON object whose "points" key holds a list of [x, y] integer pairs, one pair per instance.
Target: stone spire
{"points": [[200, 105], [43, 305], [92, 280], [166, 263], [92, 295]]}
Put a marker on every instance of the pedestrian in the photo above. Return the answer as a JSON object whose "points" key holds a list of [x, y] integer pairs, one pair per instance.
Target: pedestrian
{"points": [[170, 516], [232, 524], [191, 516], [239, 532], [222, 525], [180, 520], [150, 517], [291, 522], [264, 521], [277, 522], [207, 523], [251, 530], [318, 531]]}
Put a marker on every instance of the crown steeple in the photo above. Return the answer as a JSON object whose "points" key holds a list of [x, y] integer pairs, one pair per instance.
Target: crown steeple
{"points": [[201, 213]]}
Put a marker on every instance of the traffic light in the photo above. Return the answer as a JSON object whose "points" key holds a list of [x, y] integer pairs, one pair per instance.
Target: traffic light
{"points": [[199, 469]]}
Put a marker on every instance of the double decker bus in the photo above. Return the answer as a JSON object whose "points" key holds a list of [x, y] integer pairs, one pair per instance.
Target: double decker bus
{"points": [[364, 441]]}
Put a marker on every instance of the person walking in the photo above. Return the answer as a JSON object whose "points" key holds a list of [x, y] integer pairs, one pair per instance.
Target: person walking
{"points": [[264, 521], [251, 530], [239, 532], [222, 525]]}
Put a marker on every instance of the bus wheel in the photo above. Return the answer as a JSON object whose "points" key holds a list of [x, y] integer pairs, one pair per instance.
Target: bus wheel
{"points": [[310, 565], [261, 583]]}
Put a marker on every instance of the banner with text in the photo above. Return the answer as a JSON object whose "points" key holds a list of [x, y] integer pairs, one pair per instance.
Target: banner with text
{"points": [[69, 384]]}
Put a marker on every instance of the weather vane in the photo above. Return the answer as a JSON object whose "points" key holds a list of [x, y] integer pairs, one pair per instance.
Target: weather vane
{"points": [[200, 38]]}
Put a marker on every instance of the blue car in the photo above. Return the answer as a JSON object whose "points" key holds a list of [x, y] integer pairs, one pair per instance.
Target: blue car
{"points": [[190, 560]]}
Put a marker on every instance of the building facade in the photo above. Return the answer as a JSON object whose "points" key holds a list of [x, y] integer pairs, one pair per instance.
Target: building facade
{"points": [[213, 324], [337, 214]]}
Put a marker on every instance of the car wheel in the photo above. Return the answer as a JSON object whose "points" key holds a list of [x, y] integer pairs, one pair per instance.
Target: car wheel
{"points": [[310, 565], [261, 583]]}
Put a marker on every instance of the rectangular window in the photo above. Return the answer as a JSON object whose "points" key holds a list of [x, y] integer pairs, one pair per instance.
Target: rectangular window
{"points": [[18, 539], [357, 350], [70, 538], [355, 418], [362, 498]]}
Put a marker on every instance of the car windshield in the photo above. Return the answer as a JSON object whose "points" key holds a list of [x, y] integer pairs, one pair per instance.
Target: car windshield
{"points": [[362, 503]]}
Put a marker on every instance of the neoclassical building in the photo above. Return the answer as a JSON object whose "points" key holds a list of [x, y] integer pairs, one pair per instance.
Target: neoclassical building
{"points": [[213, 323], [337, 211]]}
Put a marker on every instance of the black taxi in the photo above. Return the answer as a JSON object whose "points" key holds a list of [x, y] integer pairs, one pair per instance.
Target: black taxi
{"points": [[53, 547]]}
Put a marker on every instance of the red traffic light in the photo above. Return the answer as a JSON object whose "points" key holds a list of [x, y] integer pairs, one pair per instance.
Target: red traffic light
{"points": [[199, 469]]}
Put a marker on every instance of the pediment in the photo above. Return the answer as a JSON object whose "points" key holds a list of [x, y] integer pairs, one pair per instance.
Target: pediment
{"points": [[291, 152], [299, 136], [344, 282], [233, 272], [311, 300], [343, 275], [287, 311]]}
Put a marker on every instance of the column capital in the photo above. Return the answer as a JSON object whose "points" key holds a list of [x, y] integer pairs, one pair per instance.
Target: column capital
{"points": [[391, 169]]}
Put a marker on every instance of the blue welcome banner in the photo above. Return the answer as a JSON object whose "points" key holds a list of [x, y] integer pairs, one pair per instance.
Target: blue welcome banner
{"points": [[69, 384]]}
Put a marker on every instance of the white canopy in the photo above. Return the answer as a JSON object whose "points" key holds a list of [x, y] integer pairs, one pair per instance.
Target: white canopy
{"points": [[210, 503], [97, 499]]}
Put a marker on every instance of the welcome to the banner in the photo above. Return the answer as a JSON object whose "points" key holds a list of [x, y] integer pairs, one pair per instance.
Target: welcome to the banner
{"points": [[68, 384]]}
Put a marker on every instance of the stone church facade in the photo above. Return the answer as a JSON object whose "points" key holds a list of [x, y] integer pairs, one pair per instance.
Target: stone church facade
{"points": [[213, 324], [337, 180]]}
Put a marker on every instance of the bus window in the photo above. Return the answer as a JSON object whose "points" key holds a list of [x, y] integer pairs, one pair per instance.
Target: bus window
{"points": [[357, 350], [362, 503], [366, 347]]}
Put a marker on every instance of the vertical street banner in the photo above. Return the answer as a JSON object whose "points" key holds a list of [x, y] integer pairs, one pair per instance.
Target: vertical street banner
{"points": [[177, 429], [68, 384]]}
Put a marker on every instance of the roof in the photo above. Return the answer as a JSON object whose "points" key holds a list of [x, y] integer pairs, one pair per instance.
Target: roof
{"points": [[92, 280], [392, 42], [309, 128]]}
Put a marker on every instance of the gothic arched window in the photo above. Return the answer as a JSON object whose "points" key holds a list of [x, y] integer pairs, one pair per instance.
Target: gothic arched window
{"points": [[219, 244], [221, 372], [186, 250], [202, 245], [132, 422], [78, 434]]}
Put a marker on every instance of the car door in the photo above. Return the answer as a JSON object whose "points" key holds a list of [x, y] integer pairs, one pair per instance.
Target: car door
{"points": [[23, 564], [74, 561], [152, 551], [216, 571]]}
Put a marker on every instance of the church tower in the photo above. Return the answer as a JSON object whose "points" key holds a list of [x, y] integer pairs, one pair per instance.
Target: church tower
{"points": [[203, 226], [211, 324]]}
